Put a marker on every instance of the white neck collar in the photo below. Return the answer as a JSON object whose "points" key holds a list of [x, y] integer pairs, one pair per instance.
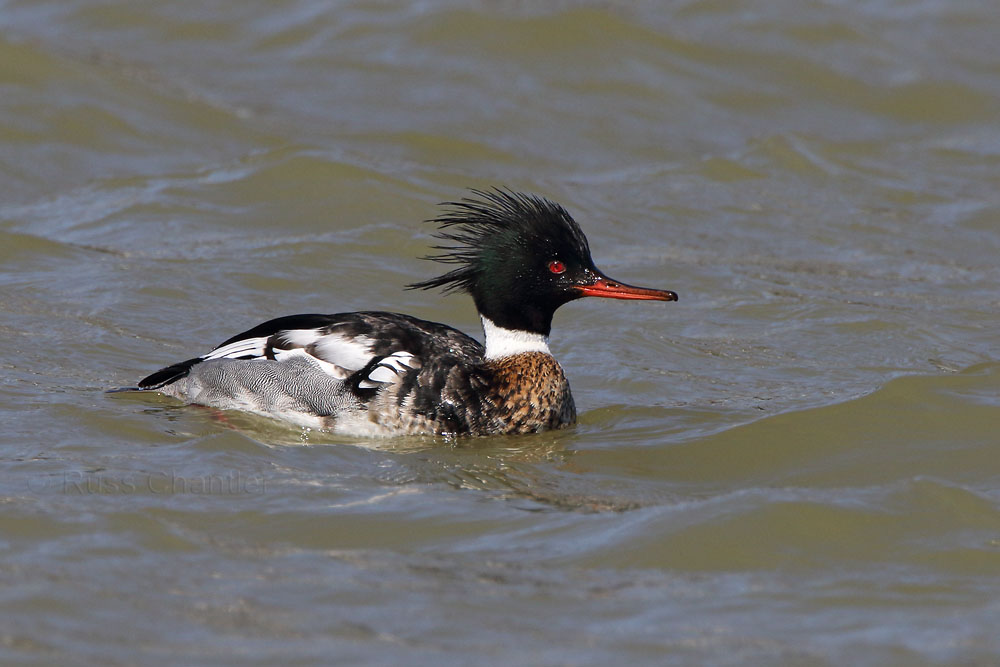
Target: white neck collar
{"points": [[502, 342]]}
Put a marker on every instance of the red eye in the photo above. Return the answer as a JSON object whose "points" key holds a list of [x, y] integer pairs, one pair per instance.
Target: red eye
{"points": [[557, 267]]}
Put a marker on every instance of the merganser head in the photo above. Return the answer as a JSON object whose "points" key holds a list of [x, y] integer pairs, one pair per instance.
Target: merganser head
{"points": [[521, 257]]}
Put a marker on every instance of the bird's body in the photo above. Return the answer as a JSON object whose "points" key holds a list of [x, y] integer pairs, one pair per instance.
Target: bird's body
{"points": [[374, 373], [379, 373]]}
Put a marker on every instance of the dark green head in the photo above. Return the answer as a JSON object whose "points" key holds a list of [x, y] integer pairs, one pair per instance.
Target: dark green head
{"points": [[520, 256]]}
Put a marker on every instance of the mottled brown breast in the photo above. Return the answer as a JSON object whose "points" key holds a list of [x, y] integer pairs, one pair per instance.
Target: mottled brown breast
{"points": [[528, 393]]}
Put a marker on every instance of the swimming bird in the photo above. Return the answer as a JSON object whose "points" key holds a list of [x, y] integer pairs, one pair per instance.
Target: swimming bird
{"points": [[519, 256]]}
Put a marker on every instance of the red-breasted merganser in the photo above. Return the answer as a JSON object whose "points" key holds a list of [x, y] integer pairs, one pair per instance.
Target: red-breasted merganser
{"points": [[519, 256]]}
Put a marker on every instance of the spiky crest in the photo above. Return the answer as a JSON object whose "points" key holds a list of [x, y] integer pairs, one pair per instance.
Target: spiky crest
{"points": [[491, 229]]}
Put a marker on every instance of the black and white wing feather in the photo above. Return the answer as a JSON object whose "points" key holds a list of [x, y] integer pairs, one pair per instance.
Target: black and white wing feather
{"points": [[368, 349]]}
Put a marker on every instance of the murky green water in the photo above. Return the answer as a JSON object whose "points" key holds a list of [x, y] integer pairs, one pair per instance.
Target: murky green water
{"points": [[798, 463]]}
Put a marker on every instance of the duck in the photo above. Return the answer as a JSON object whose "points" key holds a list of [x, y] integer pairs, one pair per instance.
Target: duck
{"points": [[373, 373]]}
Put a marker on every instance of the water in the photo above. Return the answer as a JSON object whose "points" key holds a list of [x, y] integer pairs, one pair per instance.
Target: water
{"points": [[794, 464]]}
